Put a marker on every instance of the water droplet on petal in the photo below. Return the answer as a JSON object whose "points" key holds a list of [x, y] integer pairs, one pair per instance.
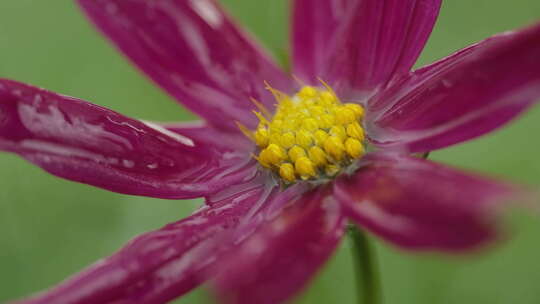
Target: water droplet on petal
{"points": [[128, 163], [152, 166]]}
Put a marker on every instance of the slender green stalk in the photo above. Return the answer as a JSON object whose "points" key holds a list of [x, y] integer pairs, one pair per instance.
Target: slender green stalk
{"points": [[367, 277]]}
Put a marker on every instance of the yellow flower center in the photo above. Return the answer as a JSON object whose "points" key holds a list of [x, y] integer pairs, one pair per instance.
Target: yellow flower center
{"points": [[311, 136]]}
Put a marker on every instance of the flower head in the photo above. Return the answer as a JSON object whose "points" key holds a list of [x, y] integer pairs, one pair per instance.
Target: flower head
{"points": [[311, 136], [282, 163]]}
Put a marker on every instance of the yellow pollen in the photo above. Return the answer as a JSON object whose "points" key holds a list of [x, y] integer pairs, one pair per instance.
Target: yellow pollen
{"points": [[334, 147], [262, 119], [275, 154], [307, 92], [304, 138], [339, 132], [318, 156], [304, 167], [261, 137], [264, 159], [310, 124], [356, 109], [275, 139], [296, 152], [286, 171], [287, 140], [320, 136], [328, 97], [326, 121], [332, 170], [312, 134], [354, 147], [345, 116], [355, 131]]}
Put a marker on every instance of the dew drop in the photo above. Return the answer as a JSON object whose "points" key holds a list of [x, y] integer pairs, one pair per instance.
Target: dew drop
{"points": [[152, 166], [128, 163]]}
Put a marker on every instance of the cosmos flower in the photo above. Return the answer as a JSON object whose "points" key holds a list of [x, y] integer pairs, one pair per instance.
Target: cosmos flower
{"points": [[282, 162]]}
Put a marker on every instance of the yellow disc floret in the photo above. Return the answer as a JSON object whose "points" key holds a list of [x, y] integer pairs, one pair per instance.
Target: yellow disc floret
{"points": [[286, 171], [312, 134]]}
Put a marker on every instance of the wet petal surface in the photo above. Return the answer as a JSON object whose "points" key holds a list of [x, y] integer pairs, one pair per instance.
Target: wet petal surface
{"points": [[194, 51], [314, 25], [161, 265], [86, 143], [282, 254], [419, 205], [460, 97], [218, 139], [357, 46]]}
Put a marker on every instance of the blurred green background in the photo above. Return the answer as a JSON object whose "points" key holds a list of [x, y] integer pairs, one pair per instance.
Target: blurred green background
{"points": [[50, 228]]}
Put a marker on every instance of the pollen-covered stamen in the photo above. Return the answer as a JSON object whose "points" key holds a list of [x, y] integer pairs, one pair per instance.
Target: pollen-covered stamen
{"points": [[312, 134]]}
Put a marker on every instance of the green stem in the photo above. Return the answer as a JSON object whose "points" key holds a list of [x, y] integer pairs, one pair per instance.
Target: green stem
{"points": [[367, 278]]}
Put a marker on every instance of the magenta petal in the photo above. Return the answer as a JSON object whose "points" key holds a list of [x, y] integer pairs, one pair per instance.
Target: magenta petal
{"points": [[194, 51], [234, 207], [218, 139], [371, 40], [161, 265], [419, 205], [86, 143], [276, 261], [460, 97], [314, 24]]}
